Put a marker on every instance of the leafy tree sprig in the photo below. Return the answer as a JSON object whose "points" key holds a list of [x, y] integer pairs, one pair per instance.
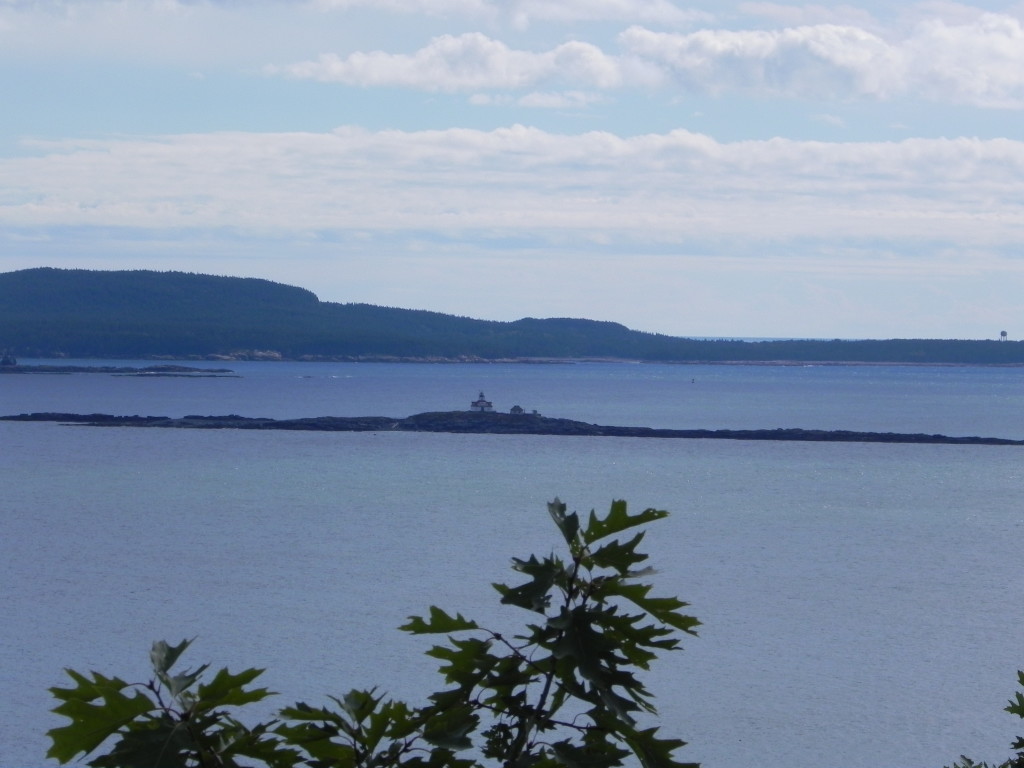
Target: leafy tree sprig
{"points": [[564, 691]]}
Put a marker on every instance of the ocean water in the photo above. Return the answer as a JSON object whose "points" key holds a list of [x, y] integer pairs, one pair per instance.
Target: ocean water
{"points": [[861, 602]]}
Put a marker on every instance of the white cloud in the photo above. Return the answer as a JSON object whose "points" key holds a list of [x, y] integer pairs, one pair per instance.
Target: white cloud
{"points": [[941, 51], [948, 11], [653, 216], [787, 15], [427, 7], [562, 100], [378, 216], [538, 100], [471, 61], [979, 63], [659, 188], [523, 13]]}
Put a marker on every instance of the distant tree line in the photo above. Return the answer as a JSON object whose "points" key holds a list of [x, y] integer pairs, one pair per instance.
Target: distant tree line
{"points": [[50, 312]]}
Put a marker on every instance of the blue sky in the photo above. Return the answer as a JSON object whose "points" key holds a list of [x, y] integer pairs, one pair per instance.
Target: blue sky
{"points": [[709, 169]]}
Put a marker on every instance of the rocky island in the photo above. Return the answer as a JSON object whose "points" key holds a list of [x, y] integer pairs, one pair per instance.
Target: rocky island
{"points": [[491, 423]]}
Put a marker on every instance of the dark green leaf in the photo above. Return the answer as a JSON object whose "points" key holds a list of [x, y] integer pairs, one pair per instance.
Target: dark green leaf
{"points": [[303, 712], [533, 595], [227, 690], [618, 555], [93, 723], [162, 744], [664, 609], [467, 661], [359, 705], [163, 656], [178, 684], [569, 525], [654, 752], [595, 754], [439, 623], [450, 728], [618, 520], [261, 744], [86, 689], [1016, 705], [316, 741]]}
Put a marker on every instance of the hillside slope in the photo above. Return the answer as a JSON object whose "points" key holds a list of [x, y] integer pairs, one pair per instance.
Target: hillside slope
{"points": [[48, 312]]}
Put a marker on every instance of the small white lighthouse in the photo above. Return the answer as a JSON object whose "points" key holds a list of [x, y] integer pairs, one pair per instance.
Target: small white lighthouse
{"points": [[481, 404]]}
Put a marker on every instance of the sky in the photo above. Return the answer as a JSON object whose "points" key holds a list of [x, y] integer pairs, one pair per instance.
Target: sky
{"points": [[711, 168]]}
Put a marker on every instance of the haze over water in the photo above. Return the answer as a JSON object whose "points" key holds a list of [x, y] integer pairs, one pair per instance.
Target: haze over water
{"points": [[861, 602]]}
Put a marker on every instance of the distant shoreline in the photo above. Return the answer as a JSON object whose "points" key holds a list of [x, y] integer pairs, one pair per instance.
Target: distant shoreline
{"points": [[165, 369], [177, 317], [151, 370]]}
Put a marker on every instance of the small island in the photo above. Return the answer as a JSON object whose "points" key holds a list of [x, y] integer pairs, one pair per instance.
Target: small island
{"points": [[491, 423]]}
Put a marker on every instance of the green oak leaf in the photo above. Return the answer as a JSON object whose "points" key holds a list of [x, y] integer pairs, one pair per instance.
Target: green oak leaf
{"points": [[439, 623], [664, 609], [163, 656], [617, 520], [93, 723], [226, 689], [569, 524]]}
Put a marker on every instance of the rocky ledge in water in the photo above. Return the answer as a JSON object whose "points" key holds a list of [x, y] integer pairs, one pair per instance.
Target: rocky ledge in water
{"points": [[115, 370], [470, 422]]}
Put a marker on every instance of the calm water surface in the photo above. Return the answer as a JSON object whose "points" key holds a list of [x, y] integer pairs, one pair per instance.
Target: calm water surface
{"points": [[861, 603]]}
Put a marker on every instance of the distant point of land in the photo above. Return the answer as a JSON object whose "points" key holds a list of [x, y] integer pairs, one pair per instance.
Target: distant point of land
{"points": [[183, 371]]}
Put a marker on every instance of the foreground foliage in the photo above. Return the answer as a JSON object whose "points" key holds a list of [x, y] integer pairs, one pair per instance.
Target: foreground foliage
{"points": [[562, 692], [1015, 707]]}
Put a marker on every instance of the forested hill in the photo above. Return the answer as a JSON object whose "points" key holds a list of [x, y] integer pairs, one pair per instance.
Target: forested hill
{"points": [[138, 314]]}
